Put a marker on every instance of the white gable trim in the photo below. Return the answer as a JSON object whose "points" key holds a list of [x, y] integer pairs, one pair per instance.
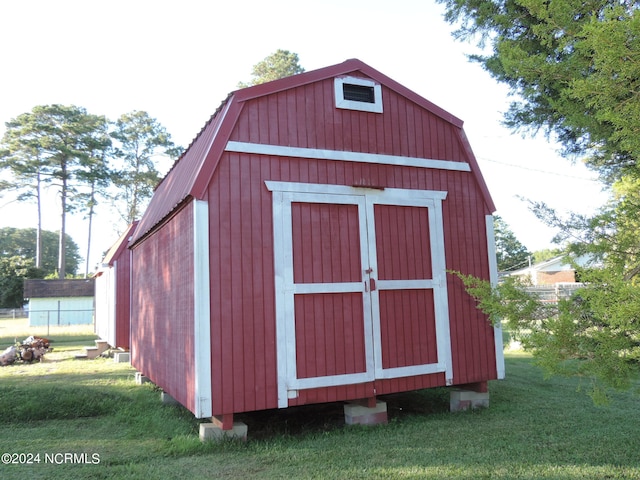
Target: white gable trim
{"points": [[345, 156], [202, 311], [493, 277]]}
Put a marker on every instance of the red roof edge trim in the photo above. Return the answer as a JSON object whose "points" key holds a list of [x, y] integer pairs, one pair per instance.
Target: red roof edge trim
{"points": [[140, 236], [475, 168], [411, 95], [179, 182], [199, 188], [195, 139], [117, 248], [349, 66]]}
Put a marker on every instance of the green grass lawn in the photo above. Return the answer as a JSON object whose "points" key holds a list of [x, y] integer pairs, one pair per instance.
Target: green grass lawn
{"points": [[535, 428]]}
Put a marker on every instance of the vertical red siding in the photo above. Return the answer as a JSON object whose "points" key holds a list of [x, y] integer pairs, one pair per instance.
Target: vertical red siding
{"points": [[408, 328], [163, 328], [306, 117], [242, 291], [243, 310], [295, 118], [329, 327]]}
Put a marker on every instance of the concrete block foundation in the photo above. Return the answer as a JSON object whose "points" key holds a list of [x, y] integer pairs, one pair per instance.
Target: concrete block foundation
{"points": [[211, 432], [356, 414], [141, 379], [461, 400], [121, 357]]}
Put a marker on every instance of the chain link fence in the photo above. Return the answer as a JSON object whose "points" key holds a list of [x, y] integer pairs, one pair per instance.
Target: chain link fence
{"points": [[554, 293], [13, 313]]}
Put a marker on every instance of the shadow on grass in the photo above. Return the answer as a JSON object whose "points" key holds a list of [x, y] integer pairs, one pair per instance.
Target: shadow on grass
{"points": [[326, 417], [45, 401]]}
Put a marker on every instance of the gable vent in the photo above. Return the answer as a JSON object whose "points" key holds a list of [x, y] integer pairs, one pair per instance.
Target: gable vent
{"points": [[358, 93]]}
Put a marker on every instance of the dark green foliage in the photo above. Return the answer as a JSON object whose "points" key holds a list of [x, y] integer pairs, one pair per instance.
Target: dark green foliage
{"points": [[593, 334], [17, 261], [280, 64], [13, 271], [67, 148], [510, 253], [21, 242], [575, 69], [573, 64], [134, 174]]}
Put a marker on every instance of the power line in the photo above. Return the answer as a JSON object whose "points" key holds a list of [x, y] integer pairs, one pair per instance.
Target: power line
{"points": [[538, 170]]}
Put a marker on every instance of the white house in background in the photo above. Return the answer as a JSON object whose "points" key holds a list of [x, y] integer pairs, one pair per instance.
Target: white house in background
{"points": [[551, 272], [59, 302]]}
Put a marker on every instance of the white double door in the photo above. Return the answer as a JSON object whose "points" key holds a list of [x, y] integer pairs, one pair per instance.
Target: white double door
{"points": [[360, 284]]}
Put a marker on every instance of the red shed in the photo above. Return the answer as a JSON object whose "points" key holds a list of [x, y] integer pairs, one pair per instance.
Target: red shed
{"points": [[113, 293], [298, 251]]}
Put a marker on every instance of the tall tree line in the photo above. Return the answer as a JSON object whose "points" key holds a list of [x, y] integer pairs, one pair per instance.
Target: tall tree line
{"points": [[87, 160]]}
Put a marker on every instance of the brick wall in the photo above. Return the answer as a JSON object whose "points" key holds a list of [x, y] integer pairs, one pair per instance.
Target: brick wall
{"points": [[550, 278]]}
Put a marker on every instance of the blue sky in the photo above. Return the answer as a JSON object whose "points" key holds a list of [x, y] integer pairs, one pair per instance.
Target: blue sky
{"points": [[179, 60]]}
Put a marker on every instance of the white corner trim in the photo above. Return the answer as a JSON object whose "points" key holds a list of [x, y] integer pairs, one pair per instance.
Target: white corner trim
{"points": [[493, 277], [202, 310], [341, 102], [344, 156]]}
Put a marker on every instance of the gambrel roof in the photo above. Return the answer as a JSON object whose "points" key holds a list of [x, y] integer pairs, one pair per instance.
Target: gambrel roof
{"points": [[116, 249], [193, 171]]}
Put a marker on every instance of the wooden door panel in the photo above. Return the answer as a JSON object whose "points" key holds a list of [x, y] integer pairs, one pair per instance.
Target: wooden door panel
{"points": [[404, 299], [402, 242], [329, 311], [408, 329], [330, 334], [326, 243]]}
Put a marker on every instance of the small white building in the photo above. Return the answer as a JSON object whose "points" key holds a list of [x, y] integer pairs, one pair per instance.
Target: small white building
{"points": [[113, 293], [60, 302]]}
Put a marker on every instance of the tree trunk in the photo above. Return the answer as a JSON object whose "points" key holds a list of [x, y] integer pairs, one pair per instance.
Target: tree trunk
{"points": [[133, 208], [91, 203], [62, 245], [39, 227]]}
